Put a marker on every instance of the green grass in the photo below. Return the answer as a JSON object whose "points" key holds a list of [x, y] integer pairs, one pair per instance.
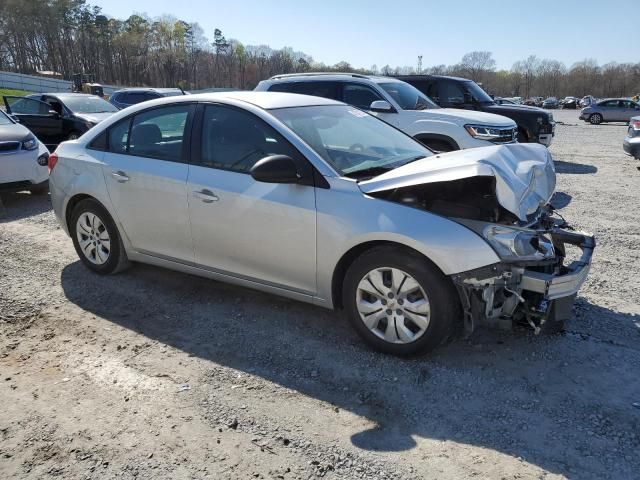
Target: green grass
{"points": [[8, 91]]}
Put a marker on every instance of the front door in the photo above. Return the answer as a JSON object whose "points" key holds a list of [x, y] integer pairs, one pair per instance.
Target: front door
{"points": [[264, 232], [37, 117], [146, 172]]}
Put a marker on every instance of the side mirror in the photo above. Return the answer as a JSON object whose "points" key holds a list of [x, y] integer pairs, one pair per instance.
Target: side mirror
{"points": [[15, 118], [381, 106], [54, 114], [275, 169]]}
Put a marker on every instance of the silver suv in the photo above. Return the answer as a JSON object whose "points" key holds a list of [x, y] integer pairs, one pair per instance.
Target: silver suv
{"points": [[403, 106]]}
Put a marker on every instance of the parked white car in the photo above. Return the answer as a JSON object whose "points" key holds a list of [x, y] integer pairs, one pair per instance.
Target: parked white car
{"points": [[403, 106], [23, 158]]}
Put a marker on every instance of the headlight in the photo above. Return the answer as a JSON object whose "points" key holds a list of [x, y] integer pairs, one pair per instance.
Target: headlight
{"points": [[485, 132], [513, 244], [30, 143]]}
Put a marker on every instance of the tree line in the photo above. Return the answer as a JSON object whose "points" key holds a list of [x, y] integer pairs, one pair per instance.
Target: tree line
{"points": [[73, 36]]}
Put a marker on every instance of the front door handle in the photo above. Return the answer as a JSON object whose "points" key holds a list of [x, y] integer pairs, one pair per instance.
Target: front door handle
{"points": [[207, 196], [120, 176]]}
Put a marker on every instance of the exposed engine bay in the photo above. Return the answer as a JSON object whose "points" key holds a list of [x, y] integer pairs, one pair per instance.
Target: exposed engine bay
{"points": [[535, 289]]}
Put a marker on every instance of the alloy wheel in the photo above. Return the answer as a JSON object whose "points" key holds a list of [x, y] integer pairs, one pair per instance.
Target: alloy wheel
{"points": [[93, 238], [393, 305]]}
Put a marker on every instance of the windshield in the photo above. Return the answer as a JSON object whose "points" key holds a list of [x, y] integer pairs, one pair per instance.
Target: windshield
{"points": [[408, 96], [4, 120], [88, 104], [478, 94], [353, 142]]}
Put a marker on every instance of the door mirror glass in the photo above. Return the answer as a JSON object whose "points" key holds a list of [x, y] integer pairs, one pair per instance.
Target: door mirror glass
{"points": [[54, 114], [381, 106], [275, 169]]}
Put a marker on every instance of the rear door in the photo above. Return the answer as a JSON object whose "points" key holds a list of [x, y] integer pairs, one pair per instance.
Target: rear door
{"points": [[610, 110], [36, 116], [146, 170], [264, 232]]}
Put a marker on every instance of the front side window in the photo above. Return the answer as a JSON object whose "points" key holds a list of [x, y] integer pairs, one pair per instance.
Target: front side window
{"points": [[353, 142], [159, 133], [235, 140], [408, 96], [359, 96]]}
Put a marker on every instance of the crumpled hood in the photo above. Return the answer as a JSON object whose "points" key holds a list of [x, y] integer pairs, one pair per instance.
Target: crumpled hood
{"points": [[524, 174], [94, 117]]}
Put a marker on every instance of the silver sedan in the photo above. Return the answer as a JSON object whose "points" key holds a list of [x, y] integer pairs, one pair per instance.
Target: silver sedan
{"points": [[610, 110], [321, 202]]}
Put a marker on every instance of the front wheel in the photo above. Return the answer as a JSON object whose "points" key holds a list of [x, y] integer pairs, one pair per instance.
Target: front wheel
{"points": [[399, 302], [595, 119], [96, 239]]}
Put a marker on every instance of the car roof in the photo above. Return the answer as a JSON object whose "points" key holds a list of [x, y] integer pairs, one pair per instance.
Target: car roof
{"points": [[421, 77], [263, 100], [330, 77], [148, 89]]}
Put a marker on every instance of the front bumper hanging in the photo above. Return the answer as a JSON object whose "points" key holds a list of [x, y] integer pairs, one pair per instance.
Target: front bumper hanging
{"points": [[533, 294]]}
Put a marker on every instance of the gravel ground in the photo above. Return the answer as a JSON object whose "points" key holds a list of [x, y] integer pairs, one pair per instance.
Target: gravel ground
{"points": [[156, 374]]}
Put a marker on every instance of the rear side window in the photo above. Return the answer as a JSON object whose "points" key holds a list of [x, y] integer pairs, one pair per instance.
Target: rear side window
{"points": [[119, 136], [235, 140], [159, 133], [99, 143]]}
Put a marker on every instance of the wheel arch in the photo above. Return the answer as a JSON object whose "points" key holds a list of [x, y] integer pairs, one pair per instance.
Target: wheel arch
{"points": [[422, 137], [352, 254]]}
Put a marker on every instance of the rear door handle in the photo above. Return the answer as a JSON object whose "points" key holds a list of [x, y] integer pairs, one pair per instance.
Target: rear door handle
{"points": [[120, 176], [207, 196]]}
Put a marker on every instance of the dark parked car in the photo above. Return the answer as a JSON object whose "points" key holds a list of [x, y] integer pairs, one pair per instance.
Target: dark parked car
{"points": [[631, 143], [534, 124], [56, 117], [131, 96], [550, 103], [569, 103]]}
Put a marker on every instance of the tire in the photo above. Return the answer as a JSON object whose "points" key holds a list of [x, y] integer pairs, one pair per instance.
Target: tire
{"points": [[437, 145], [40, 189], [107, 256], [522, 136], [436, 322], [595, 119]]}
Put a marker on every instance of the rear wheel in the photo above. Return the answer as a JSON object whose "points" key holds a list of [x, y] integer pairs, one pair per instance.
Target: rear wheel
{"points": [[595, 119], [96, 239], [399, 302]]}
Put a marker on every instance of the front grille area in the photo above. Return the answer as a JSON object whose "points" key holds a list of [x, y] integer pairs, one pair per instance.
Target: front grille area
{"points": [[507, 135], [9, 147]]}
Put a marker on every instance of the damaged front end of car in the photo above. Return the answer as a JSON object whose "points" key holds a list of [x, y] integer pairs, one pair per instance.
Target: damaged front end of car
{"points": [[502, 194]]}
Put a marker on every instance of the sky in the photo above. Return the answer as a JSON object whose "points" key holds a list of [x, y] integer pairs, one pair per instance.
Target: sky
{"points": [[365, 33]]}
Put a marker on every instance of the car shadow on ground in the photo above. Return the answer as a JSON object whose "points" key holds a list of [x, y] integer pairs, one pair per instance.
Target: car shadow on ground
{"points": [[20, 205], [574, 168], [510, 392], [560, 200]]}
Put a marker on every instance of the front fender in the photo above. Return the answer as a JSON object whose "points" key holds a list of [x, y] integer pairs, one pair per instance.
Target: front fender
{"points": [[347, 219]]}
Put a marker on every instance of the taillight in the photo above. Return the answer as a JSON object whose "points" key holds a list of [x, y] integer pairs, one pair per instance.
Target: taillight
{"points": [[53, 159], [636, 124]]}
